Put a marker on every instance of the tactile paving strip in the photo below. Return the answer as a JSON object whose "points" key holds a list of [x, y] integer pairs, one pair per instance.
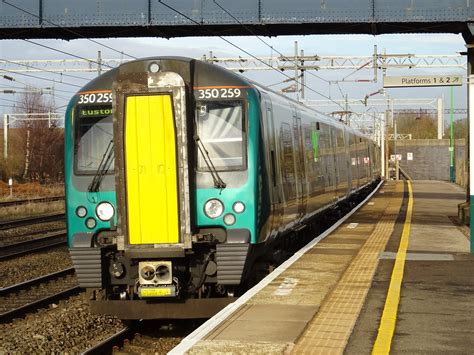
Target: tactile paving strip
{"points": [[332, 326]]}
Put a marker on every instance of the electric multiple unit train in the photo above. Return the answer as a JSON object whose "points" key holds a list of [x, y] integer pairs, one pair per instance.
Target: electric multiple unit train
{"points": [[181, 176]]}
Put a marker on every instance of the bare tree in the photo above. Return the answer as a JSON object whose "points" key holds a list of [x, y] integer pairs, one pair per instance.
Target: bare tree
{"points": [[43, 143]]}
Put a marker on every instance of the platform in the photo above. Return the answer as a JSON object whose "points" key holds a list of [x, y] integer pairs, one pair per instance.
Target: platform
{"points": [[329, 298]]}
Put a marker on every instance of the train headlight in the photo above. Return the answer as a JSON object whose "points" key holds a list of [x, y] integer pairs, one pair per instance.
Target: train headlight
{"points": [[81, 212], [229, 219], [91, 223], [213, 208], [105, 211], [238, 207], [154, 67]]}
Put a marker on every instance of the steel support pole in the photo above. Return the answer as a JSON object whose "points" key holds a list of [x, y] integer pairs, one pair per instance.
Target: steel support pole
{"points": [[471, 156], [451, 137], [387, 170], [382, 145], [5, 136], [397, 175], [296, 72]]}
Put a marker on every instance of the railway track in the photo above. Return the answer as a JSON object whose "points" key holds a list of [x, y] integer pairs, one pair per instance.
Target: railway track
{"points": [[21, 222], [29, 246], [31, 200], [146, 337], [19, 299], [115, 341]]}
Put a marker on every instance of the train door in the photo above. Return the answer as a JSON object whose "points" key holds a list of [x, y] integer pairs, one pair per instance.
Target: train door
{"points": [[347, 145], [354, 161], [336, 172], [151, 170], [272, 163], [301, 189], [289, 178]]}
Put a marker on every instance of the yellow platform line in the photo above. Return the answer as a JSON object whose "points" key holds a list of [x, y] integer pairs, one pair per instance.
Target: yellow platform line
{"points": [[389, 316]]}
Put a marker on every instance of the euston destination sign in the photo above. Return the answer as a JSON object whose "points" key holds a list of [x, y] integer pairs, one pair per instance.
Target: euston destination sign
{"points": [[414, 81]]}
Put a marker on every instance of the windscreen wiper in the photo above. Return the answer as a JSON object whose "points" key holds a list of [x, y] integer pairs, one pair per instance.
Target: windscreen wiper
{"points": [[103, 167], [218, 182]]}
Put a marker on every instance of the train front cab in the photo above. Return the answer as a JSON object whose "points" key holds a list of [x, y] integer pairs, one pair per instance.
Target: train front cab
{"points": [[181, 239]]}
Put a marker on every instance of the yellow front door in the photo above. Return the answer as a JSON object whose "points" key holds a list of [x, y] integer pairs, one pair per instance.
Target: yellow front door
{"points": [[150, 164]]}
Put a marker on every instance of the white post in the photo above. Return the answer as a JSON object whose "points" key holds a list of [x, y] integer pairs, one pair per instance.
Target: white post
{"points": [[382, 144], [440, 117], [5, 136], [10, 184]]}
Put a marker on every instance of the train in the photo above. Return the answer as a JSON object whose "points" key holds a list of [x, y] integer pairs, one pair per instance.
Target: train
{"points": [[183, 178]]}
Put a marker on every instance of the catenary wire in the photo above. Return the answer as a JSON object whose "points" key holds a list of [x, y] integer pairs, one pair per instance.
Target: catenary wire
{"points": [[272, 48], [40, 78], [45, 70], [243, 50], [68, 30], [67, 53], [263, 41]]}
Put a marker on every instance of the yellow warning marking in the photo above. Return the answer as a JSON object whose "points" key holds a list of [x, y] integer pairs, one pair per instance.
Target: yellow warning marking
{"points": [[151, 175], [389, 315]]}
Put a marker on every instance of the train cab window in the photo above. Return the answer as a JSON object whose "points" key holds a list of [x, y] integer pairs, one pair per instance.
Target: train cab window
{"points": [[93, 134], [221, 128]]}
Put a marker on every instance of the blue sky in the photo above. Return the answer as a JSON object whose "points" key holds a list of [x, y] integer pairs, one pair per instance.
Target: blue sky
{"points": [[346, 45]]}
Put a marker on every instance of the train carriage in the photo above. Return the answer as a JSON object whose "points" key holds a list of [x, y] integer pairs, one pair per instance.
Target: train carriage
{"points": [[181, 176]]}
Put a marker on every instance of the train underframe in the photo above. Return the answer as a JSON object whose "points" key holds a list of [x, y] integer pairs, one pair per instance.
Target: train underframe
{"points": [[191, 288]]}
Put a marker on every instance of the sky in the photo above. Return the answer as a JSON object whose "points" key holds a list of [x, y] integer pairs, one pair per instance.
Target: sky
{"points": [[344, 45]]}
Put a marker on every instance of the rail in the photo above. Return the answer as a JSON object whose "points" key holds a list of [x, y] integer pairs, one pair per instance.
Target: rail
{"points": [[32, 297], [116, 340], [21, 222], [31, 200], [29, 246]]}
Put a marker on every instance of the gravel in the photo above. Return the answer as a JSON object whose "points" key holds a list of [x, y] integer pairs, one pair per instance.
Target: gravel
{"points": [[158, 337], [65, 327], [15, 235], [30, 266]]}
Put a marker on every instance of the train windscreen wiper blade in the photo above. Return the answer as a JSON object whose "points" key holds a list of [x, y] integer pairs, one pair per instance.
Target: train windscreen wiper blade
{"points": [[103, 167], [218, 182]]}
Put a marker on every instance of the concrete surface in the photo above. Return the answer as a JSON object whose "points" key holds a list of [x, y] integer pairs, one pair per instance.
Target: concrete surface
{"points": [[436, 311]]}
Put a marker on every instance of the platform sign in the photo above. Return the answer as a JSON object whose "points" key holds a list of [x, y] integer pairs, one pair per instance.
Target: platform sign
{"points": [[420, 81], [409, 156], [392, 157]]}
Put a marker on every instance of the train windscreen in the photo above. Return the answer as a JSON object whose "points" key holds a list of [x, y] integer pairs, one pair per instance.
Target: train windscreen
{"points": [[93, 135], [220, 127]]}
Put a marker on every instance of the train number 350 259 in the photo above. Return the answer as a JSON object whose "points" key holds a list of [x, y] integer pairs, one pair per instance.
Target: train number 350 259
{"points": [[95, 98], [224, 93]]}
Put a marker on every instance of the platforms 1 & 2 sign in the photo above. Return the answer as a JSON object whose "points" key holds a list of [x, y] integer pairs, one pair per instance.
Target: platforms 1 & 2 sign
{"points": [[420, 81]]}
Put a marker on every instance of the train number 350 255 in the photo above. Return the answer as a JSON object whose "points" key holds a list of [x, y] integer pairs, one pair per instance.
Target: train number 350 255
{"points": [[224, 93]]}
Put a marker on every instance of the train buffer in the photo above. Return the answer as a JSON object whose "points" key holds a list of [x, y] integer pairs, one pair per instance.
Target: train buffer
{"points": [[396, 276]]}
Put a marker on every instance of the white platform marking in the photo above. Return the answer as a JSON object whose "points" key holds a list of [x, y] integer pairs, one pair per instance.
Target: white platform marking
{"points": [[286, 287], [352, 225]]}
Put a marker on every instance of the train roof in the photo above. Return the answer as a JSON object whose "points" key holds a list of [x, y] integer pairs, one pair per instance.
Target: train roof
{"points": [[197, 74]]}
